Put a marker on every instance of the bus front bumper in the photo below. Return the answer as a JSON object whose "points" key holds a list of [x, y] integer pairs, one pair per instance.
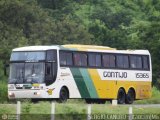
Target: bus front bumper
{"points": [[31, 94]]}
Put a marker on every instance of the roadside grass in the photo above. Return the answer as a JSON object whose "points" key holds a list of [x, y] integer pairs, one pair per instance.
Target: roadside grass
{"points": [[7, 108], [3, 91], [146, 110], [74, 109], [155, 99]]}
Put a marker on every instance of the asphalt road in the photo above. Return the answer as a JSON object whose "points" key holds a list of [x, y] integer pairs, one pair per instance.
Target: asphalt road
{"points": [[143, 105]]}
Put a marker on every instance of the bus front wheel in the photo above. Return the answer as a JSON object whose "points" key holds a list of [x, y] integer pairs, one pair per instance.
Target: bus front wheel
{"points": [[121, 96], [64, 95]]}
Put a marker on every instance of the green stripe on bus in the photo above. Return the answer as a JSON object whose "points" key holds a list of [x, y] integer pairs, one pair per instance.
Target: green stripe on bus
{"points": [[88, 81], [80, 83]]}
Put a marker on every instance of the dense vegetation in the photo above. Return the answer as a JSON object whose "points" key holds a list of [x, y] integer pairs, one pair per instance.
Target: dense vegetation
{"points": [[123, 24]]}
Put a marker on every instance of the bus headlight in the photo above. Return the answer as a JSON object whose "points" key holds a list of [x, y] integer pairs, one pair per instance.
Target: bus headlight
{"points": [[11, 94], [37, 93]]}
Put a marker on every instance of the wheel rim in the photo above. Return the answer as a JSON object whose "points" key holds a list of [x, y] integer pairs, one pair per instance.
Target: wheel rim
{"points": [[63, 95], [121, 97], [130, 96]]}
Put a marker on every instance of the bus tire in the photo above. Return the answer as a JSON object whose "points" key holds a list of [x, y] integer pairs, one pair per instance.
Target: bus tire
{"points": [[130, 97], [34, 100], [63, 95], [88, 101], [97, 101], [121, 96]]}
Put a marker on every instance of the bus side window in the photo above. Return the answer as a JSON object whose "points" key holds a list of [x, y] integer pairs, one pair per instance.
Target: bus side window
{"points": [[139, 62], [125, 61], [119, 61], [106, 60], [66, 58], [145, 62], [136, 62], [133, 62], [109, 60], [80, 59], [94, 60], [112, 61], [63, 58]]}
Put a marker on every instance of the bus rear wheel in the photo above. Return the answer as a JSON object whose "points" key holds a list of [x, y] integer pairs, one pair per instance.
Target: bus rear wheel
{"points": [[121, 96], [64, 95], [130, 97]]}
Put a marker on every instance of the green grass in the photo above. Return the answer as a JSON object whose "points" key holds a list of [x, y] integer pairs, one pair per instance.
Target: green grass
{"points": [[68, 108], [70, 111], [3, 91], [147, 110]]}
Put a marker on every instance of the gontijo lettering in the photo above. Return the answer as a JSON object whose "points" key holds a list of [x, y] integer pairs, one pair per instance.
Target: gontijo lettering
{"points": [[115, 74]]}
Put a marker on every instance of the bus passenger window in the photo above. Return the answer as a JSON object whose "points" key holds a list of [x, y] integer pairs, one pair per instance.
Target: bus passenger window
{"points": [[112, 61], [109, 61], [77, 59], [80, 59], [139, 62], [133, 61], [136, 62], [66, 58], [125, 61], [94, 60], [63, 58], [106, 60], [69, 58], [119, 61], [122, 61], [145, 62], [98, 60]]}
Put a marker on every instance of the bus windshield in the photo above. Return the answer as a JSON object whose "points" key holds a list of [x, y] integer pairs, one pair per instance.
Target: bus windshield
{"points": [[28, 56], [26, 73]]}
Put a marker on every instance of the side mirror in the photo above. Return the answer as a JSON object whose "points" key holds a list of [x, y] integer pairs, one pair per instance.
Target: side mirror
{"points": [[6, 67]]}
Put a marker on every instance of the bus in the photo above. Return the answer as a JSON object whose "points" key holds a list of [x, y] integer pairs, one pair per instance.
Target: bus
{"points": [[89, 72]]}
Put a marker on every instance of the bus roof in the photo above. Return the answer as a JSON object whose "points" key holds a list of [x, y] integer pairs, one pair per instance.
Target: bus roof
{"points": [[86, 47], [36, 48], [78, 47], [95, 48]]}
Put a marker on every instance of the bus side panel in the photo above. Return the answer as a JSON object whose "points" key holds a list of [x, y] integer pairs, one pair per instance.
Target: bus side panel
{"points": [[84, 83], [104, 88], [109, 88], [143, 90]]}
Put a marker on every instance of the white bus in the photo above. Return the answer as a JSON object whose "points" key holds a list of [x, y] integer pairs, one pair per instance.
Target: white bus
{"points": [[93, 73]]}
